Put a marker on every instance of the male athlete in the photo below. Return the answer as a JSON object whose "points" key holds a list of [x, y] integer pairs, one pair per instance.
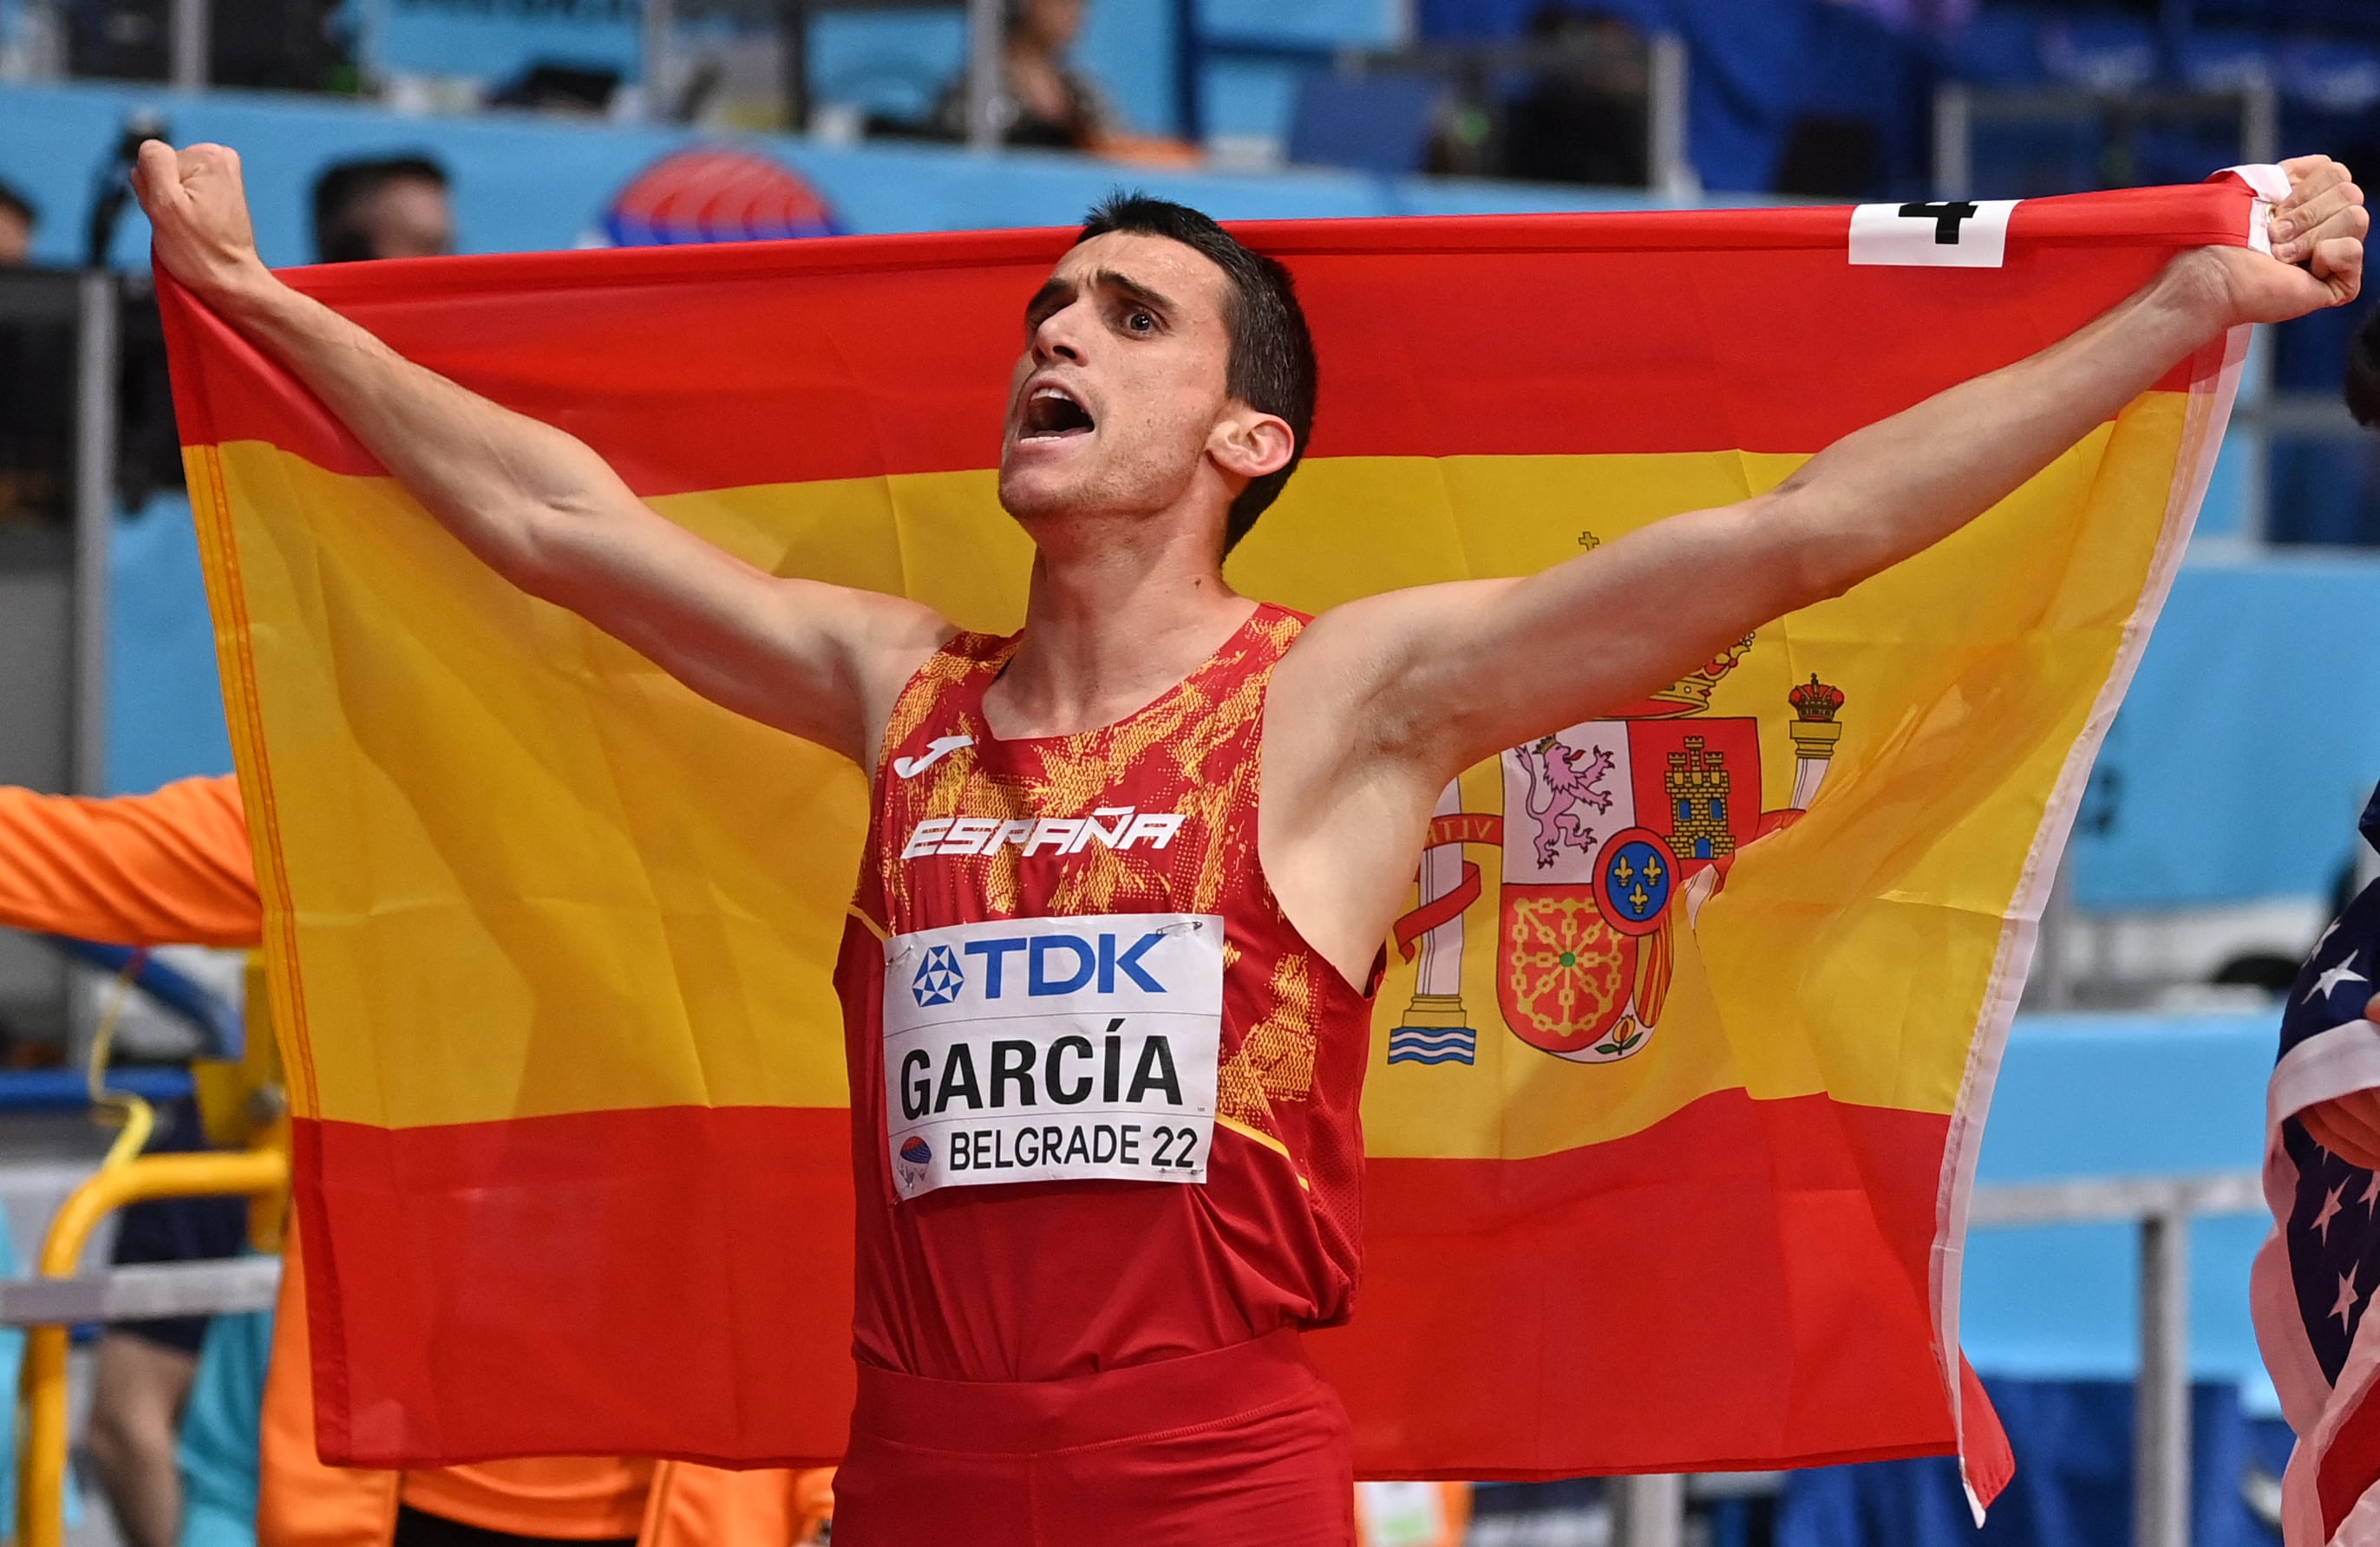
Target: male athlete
{"points": [[1184, 818]]}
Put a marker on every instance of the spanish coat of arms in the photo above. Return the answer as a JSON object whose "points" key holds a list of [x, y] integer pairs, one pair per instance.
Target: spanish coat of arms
{"points": [[1611, 831]]}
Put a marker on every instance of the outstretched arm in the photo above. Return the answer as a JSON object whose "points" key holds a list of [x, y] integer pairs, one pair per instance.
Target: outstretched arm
{"points": [[538, 506], [1485, 664], [1383, 700]]}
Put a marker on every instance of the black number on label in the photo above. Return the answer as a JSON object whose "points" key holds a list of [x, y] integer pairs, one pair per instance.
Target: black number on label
{"points": [[1188, 1160], [1946, 219]]}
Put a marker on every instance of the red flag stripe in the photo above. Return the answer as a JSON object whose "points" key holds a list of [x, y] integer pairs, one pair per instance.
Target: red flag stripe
{"points": [[852, 356], [477, 1227]]}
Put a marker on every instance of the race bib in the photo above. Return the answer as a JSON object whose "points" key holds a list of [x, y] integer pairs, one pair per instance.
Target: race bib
{"points": [[1060, 1050]]}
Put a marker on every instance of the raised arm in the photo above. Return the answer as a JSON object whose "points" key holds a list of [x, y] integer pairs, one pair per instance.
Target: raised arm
{"points": [[538, 506], [1486, 664], [1384, 700]]}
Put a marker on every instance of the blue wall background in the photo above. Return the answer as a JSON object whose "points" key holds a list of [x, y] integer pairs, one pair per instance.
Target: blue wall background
{"points": [[524, 184]]}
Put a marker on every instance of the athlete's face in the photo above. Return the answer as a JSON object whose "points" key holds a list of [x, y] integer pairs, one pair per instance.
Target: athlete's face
{"points": [[1118, 405]]}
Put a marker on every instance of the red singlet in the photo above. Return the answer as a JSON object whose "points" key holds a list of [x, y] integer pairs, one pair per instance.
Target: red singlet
{"points": [[1104, 1096]]}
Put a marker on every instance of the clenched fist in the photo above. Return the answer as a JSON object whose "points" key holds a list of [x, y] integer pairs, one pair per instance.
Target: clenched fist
{"points": [[2317, 233], [198, 212]]}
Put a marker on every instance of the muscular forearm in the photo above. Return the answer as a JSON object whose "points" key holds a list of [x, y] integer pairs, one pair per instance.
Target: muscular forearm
{"points": [[510, 488], [1898, 486]]}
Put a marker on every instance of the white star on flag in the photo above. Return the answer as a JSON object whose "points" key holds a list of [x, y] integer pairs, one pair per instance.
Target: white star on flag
{"points": [[2329, 1208], [2347, 1298], [2371, 1191], [2344, 972]]}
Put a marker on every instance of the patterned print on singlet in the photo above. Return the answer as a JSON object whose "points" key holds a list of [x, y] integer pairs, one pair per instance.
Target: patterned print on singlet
{"points": [[1155, 815], [1193, 753]]}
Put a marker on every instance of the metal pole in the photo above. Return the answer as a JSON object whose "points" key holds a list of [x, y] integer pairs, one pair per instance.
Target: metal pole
{"points": [[1189, 72], [2161, 1433], [1954, 124], [94, 501], [2256, 392], [44, 40], [94, 486], [794, 52], [1649, 1511], [658, 64], [984, 97], [190, 23], [2259, 121], [2260, 142], [1668, 171]]}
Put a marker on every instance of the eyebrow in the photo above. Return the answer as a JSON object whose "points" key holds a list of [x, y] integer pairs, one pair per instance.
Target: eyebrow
{"points": [[1055, 291], [1113, 280]]}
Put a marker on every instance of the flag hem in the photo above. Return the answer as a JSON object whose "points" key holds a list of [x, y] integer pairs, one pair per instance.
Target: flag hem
{"points": [[1985, 1464]]}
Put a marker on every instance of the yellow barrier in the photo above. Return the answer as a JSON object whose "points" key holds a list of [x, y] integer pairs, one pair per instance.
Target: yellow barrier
{"points": [[41, 1469]]}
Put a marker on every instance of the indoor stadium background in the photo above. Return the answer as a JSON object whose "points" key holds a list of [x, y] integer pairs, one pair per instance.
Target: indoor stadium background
{"points": [[2219, 833]]}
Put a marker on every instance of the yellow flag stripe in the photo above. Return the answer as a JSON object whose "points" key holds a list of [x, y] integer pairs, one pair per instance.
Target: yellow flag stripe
{"points": [[234, 656], [481, 809]]}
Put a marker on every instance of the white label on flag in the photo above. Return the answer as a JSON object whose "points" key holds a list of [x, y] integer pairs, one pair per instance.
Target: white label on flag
{"points": [[1056, 1049], [1947, 233]]}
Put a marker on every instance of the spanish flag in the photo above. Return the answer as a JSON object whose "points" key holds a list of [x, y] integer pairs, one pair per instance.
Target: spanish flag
{"points": [[1679, 1069]]}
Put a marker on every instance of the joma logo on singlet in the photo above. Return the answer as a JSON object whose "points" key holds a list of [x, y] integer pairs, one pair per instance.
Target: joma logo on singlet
{"points": [[1113, 826]]}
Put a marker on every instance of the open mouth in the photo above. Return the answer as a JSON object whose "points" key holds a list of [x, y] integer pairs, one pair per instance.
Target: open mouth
{"points": [[1051, 415]]}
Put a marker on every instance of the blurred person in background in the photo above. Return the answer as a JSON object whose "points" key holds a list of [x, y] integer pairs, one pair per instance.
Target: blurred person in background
{"points": [[169, 869], [1583, 118], [17, 218], [34, 358], [2348, 1125], [142, 1372], [398, 207], [175, 866], [1043, 99], [2313, 1280]]}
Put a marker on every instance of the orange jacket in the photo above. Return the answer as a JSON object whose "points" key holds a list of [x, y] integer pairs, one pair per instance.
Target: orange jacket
{"points": [[175, 868]]}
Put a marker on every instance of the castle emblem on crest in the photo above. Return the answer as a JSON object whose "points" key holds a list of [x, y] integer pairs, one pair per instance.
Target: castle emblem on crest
{"points": [[1613, 834]]}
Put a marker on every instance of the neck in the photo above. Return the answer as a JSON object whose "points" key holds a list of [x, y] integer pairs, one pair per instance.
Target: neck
{"points": [[1116, 616]]}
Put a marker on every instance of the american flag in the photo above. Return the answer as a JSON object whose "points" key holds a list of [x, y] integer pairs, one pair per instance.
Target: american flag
{"points": [[2316, 1273]]}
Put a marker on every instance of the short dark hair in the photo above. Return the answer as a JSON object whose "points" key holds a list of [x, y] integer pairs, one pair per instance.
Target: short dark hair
{"points": [[18, 205], [2364, 372], [1271, 368], [346, 187]]}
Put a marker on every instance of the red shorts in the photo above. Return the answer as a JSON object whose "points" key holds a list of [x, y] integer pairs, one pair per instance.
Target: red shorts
{"points": [[1244, 1445]]}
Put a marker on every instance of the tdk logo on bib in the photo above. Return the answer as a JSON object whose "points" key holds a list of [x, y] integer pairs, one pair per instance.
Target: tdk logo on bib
{"points": [[1053, 1049], [1038, 966]]}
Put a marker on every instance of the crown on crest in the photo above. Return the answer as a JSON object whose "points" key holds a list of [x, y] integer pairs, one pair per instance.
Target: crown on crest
{"points": [[1694, 690], [1814, 700]]}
